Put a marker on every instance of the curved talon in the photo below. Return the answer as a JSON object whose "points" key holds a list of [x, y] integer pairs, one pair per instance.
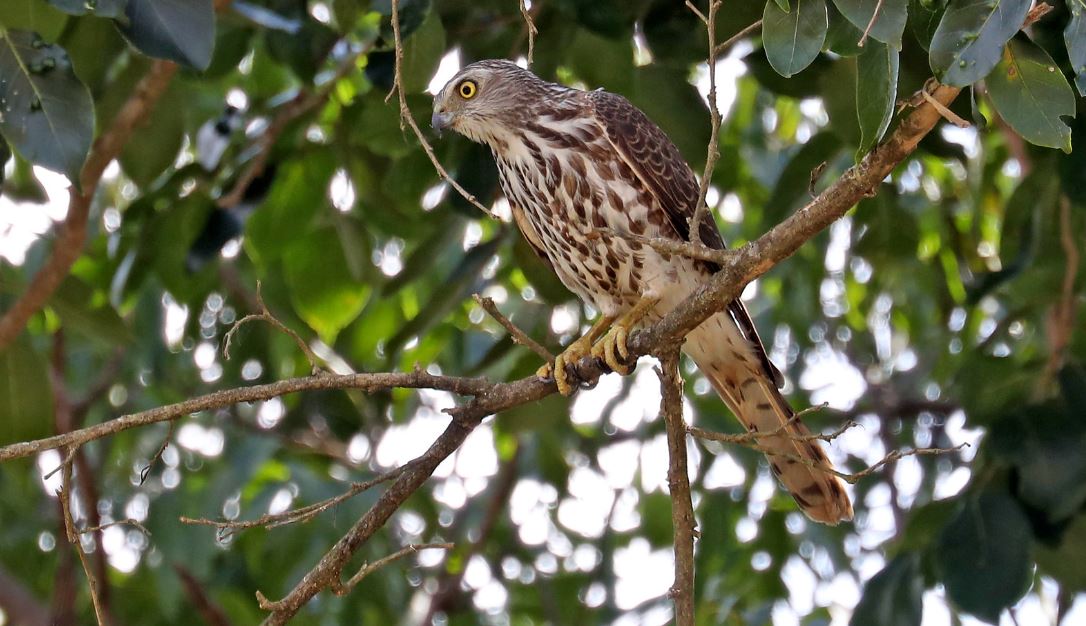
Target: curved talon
{"points": [[612, 350]]}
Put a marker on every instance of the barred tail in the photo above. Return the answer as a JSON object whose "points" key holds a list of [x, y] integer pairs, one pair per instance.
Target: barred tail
{"points": [[730, 364]]}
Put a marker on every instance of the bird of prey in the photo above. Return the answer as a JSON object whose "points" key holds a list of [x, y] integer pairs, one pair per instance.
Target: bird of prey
{"points": [[585, 172]]}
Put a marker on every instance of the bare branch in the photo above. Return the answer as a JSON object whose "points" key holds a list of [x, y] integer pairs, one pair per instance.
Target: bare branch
{"points": [[226, 528], [343, 588], [731, 41], [701, 433], [366, 382], [158, 454], [870, 24], [265, 315], [409, 119], [518, 335], [678, 482], [64, 495], [713, 151], [123, 522], [1061, 319], [530, 28]]}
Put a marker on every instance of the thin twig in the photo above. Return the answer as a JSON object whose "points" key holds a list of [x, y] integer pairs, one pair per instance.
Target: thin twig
{"points": [[950, 116], [713, 150], [870, 24], [343, 588], [530, 28], [65, 496], [731, 41], [518, 335], [146, 471], [701, 433], [678, 481], [227, 528], [409, 119], [124, 522], [265, 315]]}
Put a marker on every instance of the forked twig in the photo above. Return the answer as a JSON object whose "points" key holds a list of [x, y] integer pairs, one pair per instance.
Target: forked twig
{"points": [[227, 528], [518, 335], [343, 588], [263, 314]]}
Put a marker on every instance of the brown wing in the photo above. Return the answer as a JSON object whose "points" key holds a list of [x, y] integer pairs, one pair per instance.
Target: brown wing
{"points": [[661, 167]]}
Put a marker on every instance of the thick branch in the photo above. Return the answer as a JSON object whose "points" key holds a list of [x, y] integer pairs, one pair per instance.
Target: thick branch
{"points": [[678, 482], [73, 232]]}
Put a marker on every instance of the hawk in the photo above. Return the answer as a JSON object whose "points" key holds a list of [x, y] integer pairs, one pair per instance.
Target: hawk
{"points": [[580, 170]]}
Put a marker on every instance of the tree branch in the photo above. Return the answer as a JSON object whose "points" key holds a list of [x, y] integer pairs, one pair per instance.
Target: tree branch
{"points": [[678, 482], [518, 335], [72, 233]]}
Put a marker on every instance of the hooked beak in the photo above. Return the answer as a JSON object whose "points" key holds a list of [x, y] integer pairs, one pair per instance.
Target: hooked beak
{"points": [[440, 121]]}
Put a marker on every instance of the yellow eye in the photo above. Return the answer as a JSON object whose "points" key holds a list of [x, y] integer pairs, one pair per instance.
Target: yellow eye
{"points": [[467, 89]]}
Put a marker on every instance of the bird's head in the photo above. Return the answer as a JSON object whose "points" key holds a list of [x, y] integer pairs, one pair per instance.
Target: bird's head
{"points": [[485, 99]]}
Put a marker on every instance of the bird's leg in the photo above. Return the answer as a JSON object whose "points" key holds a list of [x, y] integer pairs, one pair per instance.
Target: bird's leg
{"points": [[612, 348], [575, 352]]}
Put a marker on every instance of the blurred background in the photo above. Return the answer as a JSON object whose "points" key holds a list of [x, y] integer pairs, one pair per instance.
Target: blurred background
{"points": [[931, 315]]}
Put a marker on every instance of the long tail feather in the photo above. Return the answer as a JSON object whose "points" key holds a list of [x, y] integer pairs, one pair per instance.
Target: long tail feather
{"points": [[728, 361]]}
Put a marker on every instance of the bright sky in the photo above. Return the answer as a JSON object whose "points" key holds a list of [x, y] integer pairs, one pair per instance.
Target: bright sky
{"points": [[596, 500]]}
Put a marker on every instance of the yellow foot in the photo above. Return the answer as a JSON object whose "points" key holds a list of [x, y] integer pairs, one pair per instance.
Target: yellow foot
{"points": [[612, 348], [575, 352]]}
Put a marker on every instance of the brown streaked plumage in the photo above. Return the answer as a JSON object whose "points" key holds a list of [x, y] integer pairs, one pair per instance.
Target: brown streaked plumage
{"points": [[572, 163]]}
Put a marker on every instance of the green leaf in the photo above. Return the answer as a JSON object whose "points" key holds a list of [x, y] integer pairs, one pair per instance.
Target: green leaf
{"points": [[97, 8], [970, 38], [1075, 36], [784, 5], [983, 555], [80, 311], [888, 24], [793, 39], [1031, 94], [843, 37], [924, 18], [45, 112], [32, 15], [876, 93], [322, 289], [178, 30], [290, 207], [26, 395], [893, 597], [152, 150]]}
